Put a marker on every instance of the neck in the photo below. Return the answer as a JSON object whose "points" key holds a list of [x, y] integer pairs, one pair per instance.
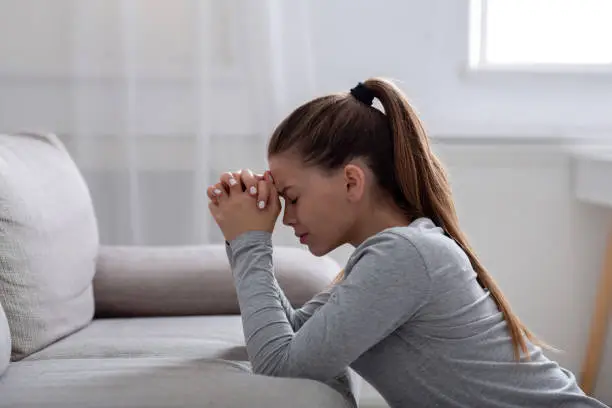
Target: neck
{"points": [[376, 221]]}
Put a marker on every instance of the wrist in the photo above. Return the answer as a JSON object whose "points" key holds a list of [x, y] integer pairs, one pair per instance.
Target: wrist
{"points": [[249, 237], [233, 235]]}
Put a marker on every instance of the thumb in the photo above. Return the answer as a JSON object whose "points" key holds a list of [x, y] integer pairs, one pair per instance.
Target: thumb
{"points": [[274, 199]]}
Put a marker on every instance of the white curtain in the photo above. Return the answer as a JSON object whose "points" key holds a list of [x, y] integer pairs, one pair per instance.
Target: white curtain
{"points": [[154, 98]]}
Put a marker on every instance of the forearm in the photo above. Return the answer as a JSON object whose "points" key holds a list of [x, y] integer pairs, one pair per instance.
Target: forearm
{"points": [[296, 317], [262, 306]]}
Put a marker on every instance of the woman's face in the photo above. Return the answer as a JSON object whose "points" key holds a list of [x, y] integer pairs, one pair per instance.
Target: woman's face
{"points": [[319, 206]]}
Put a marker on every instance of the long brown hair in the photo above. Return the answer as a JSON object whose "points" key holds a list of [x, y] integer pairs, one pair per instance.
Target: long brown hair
{"points": [[330, 131]]}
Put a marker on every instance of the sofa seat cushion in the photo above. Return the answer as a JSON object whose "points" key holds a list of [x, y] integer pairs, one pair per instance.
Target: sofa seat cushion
{"points": [[192, 336], [164, 382]]}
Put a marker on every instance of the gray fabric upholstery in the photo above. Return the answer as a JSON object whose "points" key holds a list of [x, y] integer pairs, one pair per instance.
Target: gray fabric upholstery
{"points": [[178, 281], [197, 361], [48, 242], [5, 342], [195, 336], [163, 382]]}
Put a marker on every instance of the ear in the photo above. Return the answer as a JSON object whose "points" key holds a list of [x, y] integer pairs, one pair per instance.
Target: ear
{"points": [[355, 182]]}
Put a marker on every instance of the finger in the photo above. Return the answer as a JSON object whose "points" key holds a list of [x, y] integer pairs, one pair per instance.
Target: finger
{"points": [[210, 194], [268, 176], [263, 193], [238, 176], [249, 181], [215, 191], [232, 185], [219, 192]]}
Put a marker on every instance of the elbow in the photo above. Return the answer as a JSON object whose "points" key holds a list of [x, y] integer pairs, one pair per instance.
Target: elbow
{"points": [[286, 370], [277, 365], [270, 369], [271, 360]]}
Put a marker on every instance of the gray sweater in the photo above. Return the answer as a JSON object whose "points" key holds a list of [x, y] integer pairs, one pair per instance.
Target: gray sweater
{"points": [[409, 317]]}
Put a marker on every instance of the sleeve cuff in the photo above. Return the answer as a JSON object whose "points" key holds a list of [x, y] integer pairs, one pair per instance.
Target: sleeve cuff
{"points": [[248, 238]]}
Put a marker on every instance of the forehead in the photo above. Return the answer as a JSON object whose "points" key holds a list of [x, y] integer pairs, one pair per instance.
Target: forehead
{"points": [[286, 169]]}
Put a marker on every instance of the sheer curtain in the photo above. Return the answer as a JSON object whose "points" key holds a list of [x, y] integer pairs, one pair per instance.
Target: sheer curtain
{"points": [[154, 98]]}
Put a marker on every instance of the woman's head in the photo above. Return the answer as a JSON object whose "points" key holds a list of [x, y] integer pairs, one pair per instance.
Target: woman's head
{"points": [[346, 159], [339, 161]]}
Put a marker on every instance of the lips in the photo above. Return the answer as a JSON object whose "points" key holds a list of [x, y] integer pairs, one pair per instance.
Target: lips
{"points": [[302, 237]]}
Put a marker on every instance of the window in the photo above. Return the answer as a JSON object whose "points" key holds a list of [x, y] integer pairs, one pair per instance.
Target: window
{"points": [[541, 34]]}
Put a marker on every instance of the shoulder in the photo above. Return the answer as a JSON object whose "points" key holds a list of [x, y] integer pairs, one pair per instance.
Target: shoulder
{"points": [[390, 253], [388, 266], [418, 245], [391, 243], [441, 254]]}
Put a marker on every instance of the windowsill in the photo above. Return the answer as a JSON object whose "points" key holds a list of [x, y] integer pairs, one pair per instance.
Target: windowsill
{"points": [[538, 69]]}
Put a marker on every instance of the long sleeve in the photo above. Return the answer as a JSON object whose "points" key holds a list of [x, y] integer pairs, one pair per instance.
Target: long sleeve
{"points": [[386, 283], [296, 317]]}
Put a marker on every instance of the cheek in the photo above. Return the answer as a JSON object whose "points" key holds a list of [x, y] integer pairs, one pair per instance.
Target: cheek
{"points": [[326, 213]]}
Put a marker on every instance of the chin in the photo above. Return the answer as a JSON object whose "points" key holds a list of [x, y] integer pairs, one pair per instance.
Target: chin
{"points": [[321, 250], [318, 252]]}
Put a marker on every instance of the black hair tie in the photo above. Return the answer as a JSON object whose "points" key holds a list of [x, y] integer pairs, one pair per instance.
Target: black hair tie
{"points": [[363, 94]]}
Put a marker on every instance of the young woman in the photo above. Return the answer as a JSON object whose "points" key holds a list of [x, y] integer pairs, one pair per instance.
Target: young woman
{"points": [[414, 312]]}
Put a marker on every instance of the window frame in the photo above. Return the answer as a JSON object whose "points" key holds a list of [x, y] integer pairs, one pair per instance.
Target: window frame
{"points": [[477, 61]]}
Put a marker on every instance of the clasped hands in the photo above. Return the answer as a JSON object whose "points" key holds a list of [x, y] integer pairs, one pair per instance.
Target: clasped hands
{"points": [[242, 202]]}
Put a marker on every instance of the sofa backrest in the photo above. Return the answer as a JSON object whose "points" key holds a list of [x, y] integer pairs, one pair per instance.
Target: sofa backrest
{"points": [[5, 342], [48, 242]]}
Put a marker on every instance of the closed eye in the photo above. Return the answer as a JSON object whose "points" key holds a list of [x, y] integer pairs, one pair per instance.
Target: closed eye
{"points": [[289, 200], [283, 193]]}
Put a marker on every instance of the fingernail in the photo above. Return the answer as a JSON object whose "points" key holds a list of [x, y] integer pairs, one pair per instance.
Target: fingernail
{"points": [[232, 182], [217, 191], [261, 205], [253, 190]]}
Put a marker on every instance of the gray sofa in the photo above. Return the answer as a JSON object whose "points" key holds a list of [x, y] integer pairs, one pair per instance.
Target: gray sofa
{"points": [[85, 325]]}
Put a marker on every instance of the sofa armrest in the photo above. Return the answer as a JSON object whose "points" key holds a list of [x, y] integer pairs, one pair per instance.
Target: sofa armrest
{"points": [[133, 281]]}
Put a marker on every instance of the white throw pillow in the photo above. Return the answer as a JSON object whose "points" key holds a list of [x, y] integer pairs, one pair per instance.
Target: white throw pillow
{"points": [[5, 342], [48, 242]]}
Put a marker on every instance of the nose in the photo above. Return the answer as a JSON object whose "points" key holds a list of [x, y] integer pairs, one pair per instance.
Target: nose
{"points": [[289, 216]]}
